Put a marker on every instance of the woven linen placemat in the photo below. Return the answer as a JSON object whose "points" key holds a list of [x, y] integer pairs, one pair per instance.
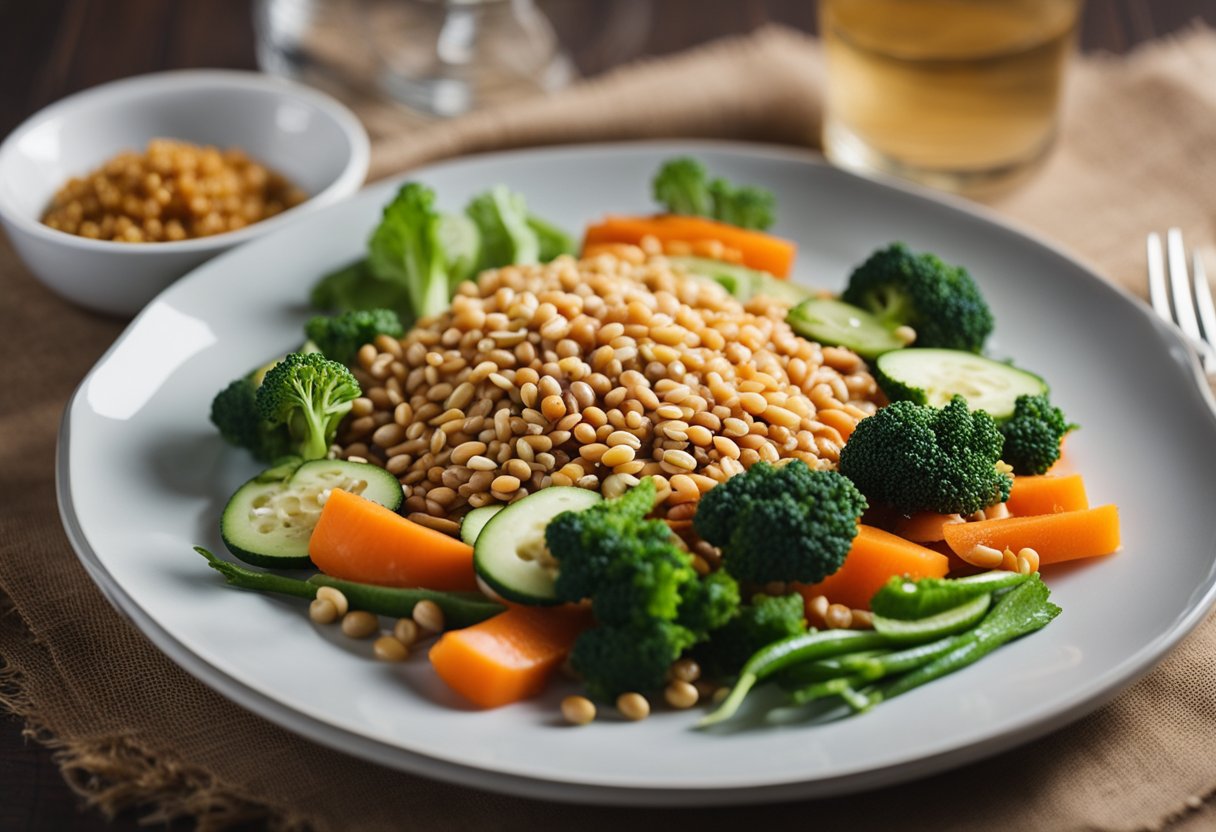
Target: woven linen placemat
{"points": [[132, 730]]}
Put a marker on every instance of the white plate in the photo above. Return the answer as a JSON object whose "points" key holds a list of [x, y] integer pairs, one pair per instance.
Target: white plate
{"points": [[143, 476]]}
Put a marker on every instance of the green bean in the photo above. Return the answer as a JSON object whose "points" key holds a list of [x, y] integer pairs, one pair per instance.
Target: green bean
{"points": [[460, 609], [824, 669], [786, 653], [908, 599], [1023, 610], [258, 581]]}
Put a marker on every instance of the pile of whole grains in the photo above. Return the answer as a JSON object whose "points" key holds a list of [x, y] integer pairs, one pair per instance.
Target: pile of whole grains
{"points": [[595, 373], [173, 191]]}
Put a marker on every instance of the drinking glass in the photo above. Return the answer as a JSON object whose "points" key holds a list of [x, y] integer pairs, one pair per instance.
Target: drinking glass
{"points": [[957, 94]]}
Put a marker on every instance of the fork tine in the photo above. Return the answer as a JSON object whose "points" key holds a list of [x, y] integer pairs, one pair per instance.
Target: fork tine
{"points": [[1203, 300], [1180, 283], [1158, 296]]}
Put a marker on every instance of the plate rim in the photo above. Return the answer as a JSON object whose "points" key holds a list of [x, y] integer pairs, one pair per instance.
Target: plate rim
{"points": [[1091, 696]]}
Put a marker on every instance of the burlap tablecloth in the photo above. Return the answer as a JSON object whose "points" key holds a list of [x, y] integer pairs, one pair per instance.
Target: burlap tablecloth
{"points": [[1137, 152]]}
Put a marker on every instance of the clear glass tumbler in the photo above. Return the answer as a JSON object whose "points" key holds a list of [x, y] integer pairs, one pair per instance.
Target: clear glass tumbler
{"points": [[438, 57], [956, 94]]}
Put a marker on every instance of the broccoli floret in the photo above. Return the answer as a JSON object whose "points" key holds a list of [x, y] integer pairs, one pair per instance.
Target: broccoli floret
{"points": [[616, 660], [939, 301], [767, 618], [631, 568], [309, 394], [648, 602], [709, 603], [234, 411], [1033, 435], [918, 458], [683, 186], [745, 206], [788, 523], [355, 287], [340, 337]]}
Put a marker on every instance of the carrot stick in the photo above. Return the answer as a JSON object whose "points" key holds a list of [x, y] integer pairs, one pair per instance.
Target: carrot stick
{"points": [[1047, 494], [1068, 535], [760, 251], [358, 540], [508, 657], [875, 557]]}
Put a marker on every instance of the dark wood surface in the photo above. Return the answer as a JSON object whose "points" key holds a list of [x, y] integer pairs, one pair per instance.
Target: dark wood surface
{"points": [[50, 48]]}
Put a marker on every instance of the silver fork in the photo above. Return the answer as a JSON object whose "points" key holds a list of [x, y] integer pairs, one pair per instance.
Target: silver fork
{"points": [[1187, 301]]}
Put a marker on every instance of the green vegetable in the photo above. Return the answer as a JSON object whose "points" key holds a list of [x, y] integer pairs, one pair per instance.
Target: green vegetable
{"points": [[765, 619], [788, 523], [906, 599], [934, 377], [460, 240], [919, 458], [683, 186], [1033, 435], [1023, 610], [941, 302], [787, 652], [506, 237], [945, 623], [473, 522], [406, 250], [509, 553], [711, 604], [234, 411], [647, 599], [613, 660], [742, 283], [309, 394], [339, 337], [417, 255], [355, 287], [553, 241], [844, 325], [806, 662], [460, 609], [256, 528]]}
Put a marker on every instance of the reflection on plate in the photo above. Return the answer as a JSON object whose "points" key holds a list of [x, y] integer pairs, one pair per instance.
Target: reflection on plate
{"points": [[143, 478]]}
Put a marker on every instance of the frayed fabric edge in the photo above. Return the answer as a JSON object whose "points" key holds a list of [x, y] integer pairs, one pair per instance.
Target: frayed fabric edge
{"points": [[117, 775]]}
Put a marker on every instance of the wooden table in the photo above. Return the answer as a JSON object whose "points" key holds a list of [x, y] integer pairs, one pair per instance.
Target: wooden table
{"points": [[51, 48]]}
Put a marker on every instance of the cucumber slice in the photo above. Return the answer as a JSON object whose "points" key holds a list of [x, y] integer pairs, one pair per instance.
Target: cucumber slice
{"points": [[510, 555], [935, 376], [742, 283], [268, 523], [475, 521], [841, 324]]}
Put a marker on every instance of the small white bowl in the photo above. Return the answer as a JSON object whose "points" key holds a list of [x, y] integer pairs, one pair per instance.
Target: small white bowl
{"points": [[309, 137]]}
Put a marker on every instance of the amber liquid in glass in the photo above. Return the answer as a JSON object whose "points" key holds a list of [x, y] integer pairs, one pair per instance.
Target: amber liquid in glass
{"points": [[960, 94]]}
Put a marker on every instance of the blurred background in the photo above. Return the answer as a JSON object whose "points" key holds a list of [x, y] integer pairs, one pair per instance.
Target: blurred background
{"points": [[51, 48]]}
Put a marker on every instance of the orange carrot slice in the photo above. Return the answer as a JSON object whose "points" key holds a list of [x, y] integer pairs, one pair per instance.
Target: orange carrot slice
{"points": [[924, 526], [509, 657], [358, 540], [759, 251], [874, 558], [1068, 535], [1047, 494]]}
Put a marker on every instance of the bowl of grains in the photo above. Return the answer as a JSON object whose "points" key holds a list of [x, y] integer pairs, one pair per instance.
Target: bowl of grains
{"points": [[111, 194]]}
